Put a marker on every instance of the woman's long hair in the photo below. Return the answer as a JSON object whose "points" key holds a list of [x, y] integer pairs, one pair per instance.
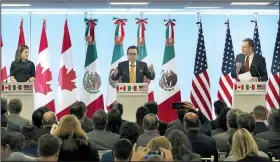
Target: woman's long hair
{"points": [[243, 144], [114, 121], [180, 145], [20, 49]]}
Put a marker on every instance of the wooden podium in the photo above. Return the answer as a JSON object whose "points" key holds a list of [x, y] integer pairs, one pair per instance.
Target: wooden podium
{"points": [[22, 91], [248, 95], [132, 96]]}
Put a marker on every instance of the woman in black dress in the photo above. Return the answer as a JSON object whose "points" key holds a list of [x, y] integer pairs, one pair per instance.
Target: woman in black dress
{"points": [[22, 70]]}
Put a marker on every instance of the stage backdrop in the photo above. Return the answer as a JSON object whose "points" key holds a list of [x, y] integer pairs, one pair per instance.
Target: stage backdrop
{"points": [[186, 33]]}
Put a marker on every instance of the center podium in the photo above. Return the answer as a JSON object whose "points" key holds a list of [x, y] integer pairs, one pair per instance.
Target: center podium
{"points": [[131, 96]]}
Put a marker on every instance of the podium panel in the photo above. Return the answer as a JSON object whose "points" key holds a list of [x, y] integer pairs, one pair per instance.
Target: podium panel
{"points": [[132, 96], [22, 91], [248, 95]]}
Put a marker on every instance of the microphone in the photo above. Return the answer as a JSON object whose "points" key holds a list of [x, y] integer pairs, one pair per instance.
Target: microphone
{"points": [[257, 71]]}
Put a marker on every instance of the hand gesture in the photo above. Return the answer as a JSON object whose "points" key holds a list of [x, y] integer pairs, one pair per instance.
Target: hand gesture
{"points": [[151, 68], [139, 154], [116, 70], [166, 154], [238, 67]]}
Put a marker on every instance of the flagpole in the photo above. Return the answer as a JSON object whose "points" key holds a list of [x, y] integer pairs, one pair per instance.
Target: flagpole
{"points": [[30, 31], [85, 38]]}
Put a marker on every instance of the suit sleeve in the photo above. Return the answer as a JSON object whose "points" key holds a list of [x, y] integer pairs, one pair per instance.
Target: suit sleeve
{"points": [[148, 74], [263, 71], [32, 70], [116, 77], [12, 69]]}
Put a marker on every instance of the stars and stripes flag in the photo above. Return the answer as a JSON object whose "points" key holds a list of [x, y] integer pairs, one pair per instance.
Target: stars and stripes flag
{"points": [[226, 82], [200, 93], [273, 85], [256, 37]]}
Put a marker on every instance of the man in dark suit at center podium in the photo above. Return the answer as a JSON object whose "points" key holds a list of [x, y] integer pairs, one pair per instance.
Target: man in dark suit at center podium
{"points": [[133, 71]]}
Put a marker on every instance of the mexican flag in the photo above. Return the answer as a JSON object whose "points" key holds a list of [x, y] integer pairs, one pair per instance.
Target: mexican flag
{"points": [[169, 90], [66, 90], [91, 93], [3, 64], [142, 56], [21, 39], [118, 56]]}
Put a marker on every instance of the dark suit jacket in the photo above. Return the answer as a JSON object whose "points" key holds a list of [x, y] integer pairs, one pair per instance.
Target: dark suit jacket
{"points": [[87, 124], [144, 139], [260, 127], [257, 68], [273, 136], [262, 144], [214, 124], [180, 127], [222, 140], [103, 140], [162, 127], [174, 122], [141, 71], [13, 127], [18, 120]]}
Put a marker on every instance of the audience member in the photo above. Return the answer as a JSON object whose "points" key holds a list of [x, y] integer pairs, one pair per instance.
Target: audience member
{"points": [[150, 125], [99, 137], [49, 119], [218, 107], [181, 147], [79, 109], [180, 126], [114, 121], [4, 125], [159, 142], [221, 122], [37, 116], [246, 120], [223, 138], [15, 108], [122, 150], [140, 113], [48, 147], [75, 144], [259, 114], [11, 126], [118, 106], [273, 135], [153, 108], [143, 154], [30, 142]]}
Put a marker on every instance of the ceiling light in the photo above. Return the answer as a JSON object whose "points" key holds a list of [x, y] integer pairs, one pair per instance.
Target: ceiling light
{"points": [[250, 3], [129, 3], [201, 7], [15, 5]]}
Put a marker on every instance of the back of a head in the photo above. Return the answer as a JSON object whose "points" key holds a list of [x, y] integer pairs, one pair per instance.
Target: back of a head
{"points": [[274, 118], [158, 142], [117, 106], [37, 116], [232, 117], [48, 146], [14, 140], [259, 112], [114, 121], [122, 150], [99, 119], [31, 137], [191, 120], [130, 131], [15, 106], [140, 113], [246, 120], [3, 105], [78, 109], [49, 118], [152, 107], [222, 118], [150, 122], [219, 105]]}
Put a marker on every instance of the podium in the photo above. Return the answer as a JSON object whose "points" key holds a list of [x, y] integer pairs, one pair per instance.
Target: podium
{"points": [[22, 91], [132, 96], [248, 95]]}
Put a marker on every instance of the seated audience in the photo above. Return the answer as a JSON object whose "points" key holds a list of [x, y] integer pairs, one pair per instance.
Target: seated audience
{"points": [[37, 116], [75, 144], [30, 141], [223, 138], [244, 148], [118, 106], [246, 120], [153, 108], [221, 122], [159, 142], [114, 121], [122, 150], [48, 147], [4, 125], [181, 147], [79, 109], [15, 108], [180, 126], [99, 137], [150, 125], [273, 135], [259, 114], [11, 126], [140, 113], [143, 154], [218, 107], [49, 119]]}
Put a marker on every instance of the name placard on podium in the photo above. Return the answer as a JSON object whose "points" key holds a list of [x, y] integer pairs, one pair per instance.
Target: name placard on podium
{"points": [[132, 96], [248, 95]]}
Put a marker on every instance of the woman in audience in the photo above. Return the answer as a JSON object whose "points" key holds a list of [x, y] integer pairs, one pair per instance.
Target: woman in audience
{"points": [[75, 144], [140, 114], [221, 122], [114, 121], [30, 142], [181, 147]]}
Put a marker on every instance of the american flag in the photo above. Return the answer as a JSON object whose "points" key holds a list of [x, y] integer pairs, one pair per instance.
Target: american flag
{"points": [[258, 49], [200, 93], [273, 88], [226, 81]]}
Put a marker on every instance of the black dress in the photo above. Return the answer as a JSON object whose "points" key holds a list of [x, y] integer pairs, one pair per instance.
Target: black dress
{"points": [[22, 71]]}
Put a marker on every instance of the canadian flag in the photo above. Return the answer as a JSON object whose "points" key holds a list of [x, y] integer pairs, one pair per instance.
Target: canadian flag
{"points": [[66, 90], [43, 81], [3, 65], [21, 39]]}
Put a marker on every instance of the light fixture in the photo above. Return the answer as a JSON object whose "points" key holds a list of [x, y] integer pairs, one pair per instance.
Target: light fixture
{"points": [[201, 7], [251, 3], [129, 3], [15, 5]]}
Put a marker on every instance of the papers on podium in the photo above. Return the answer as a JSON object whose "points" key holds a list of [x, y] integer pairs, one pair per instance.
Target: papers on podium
{"points": [[245, 77]]}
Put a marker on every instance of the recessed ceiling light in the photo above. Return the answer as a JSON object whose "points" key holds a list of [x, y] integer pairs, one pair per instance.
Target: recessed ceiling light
{"points": [[250, 3], [129, 3], [15, 5], [201, 7]]}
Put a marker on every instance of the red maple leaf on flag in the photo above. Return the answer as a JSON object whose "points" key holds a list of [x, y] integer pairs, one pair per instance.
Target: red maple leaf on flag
{"points": [[65, 79], [40, 83]]}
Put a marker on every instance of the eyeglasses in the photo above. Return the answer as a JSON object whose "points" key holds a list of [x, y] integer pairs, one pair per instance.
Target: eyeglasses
{"points": [[132, 54]]}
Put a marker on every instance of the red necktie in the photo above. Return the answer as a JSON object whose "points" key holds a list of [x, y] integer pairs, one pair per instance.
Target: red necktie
{"points": [[247, 64]]}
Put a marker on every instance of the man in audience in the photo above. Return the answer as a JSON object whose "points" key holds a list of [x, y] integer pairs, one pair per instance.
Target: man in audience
{"points": [[259, 113], [122, 150], [49, 118], [246, 120], [153, 108], [99, 137], [118, 106], [180, 126], [273, 135], [48, 147], [218, 106], [15, 108], [150, 125], [4, 125], [37, 116], [223, 138], [201, 144], [79, 109]]}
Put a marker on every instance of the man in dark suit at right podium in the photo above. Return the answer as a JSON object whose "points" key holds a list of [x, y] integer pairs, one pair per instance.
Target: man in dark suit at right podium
{"points": [[250, 62]]}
